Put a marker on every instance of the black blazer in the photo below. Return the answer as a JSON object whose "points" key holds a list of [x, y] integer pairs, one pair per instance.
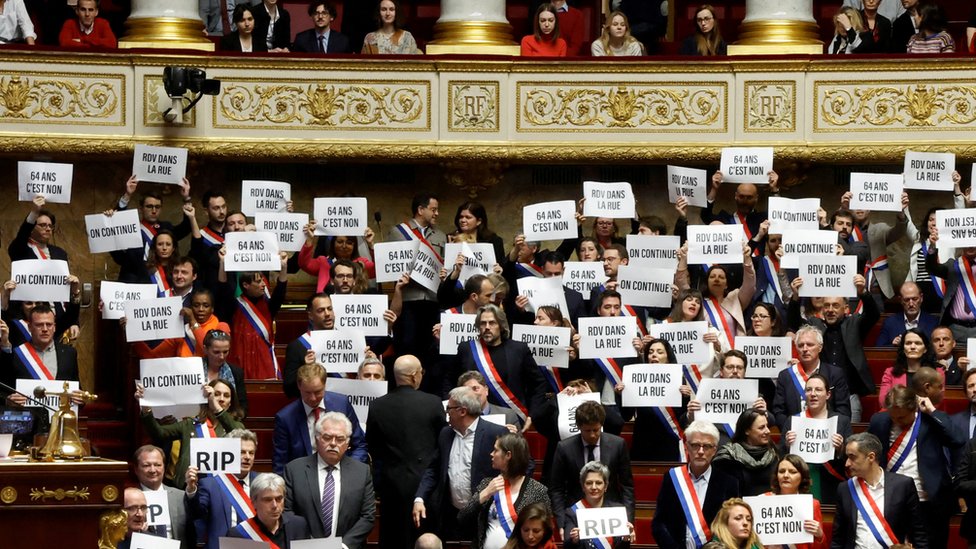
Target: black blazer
{"points": [[883, 43], [669, 522], [960, 421], [282, 29], [902, 31], [18, 248], [965, 484], [67, 365], [946, 271], [901, 511], [788, 402], [232, 42], [854, 328], [307, 42], [515, 365], [357, 502], [564, 485]]}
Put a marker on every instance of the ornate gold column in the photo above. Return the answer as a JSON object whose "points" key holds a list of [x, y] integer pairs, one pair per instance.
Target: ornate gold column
{"points": [[473, 26], [778, 27], [165, 25]]}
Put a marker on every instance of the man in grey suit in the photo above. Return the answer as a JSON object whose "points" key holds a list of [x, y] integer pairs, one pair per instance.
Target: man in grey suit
{"points": [[476, 382], [149, 465], [312, 483]]}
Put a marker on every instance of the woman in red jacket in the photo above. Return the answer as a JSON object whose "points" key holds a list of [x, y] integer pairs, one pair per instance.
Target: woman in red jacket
{"points": [[545, 42]]}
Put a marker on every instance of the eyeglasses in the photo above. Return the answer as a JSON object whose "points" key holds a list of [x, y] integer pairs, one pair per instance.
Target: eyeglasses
{"points": [[698, 446], [321, 14], [733, 367], [760, 317], [339, 439], [152, 206], [449, 408], [705, 19], [136, 509], [44, 225]]}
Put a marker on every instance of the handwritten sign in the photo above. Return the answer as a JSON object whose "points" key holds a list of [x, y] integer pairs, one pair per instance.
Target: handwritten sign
{"points": [[542, 292], [686, 339], [361, 312], [710, 244], [549, 221], [340, 351], [114, 295], [814, 438], [778, 520], [110, 233], [171, 382], [288, 228], [149, 319], [583, 276], [652, 385], [722, 400], [361, 393], [607, 337], [393, 259], [47, 179], [158, 502], [690, 183], [159, 164], [957, 228], [602, 522], [645, 287], [216, 455], [250, 251], [747, 165], [788, 214], [880, 192], [456, 329], [478, 258], [608, 200], [797, 244], [566, 418], [654, 251], [929, 171], [767, 356], [264, 197], [828, 276], [52, 386], [40, 280], [426, 269], [549, 344], [340, 216]]}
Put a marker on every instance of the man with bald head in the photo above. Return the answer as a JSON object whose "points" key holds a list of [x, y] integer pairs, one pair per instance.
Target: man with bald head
{"points": [[912, 316], [403, 425], [746, 213]]}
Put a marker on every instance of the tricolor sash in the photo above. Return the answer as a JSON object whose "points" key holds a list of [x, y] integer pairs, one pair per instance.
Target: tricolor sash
{"points": [[35, 366], [205, 429], [857, 235], [870, 513], [262, 325], [611, 369], [40, 253], [21, 325], [454, 311], [482, 360], [904, 443], [409, 233], [158, 277], [771, 268], [799, 378], [740, 219], [505, 507], [211, 237], [600, 543], [148, 234], [234, 492], [251, 530], [668, 418], [267, 286], [938, 284], [528, 269], [693, 376], [690, 505], [717, 317], [552, 376], [628, 310], [190, 339], [306, 340], [879, 263], [968, 281]]}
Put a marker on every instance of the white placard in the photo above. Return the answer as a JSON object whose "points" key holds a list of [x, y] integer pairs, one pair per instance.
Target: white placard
{"points": [[114, 295], [602, 522], [340, 216], [48, 179], [264, 197], [158, 512], [972, 184], [172, 382], [360, 392], [767, 356], [613, 200], [747, 165], [607, 337], [957, 228], [40, 280], [929, 171], [216, 455], [690, 183], [566, 418], [478, 258], [250, 251], [339, 351], [797, 244], [722, 400], [655, 251], [148, 541], [497, 419], [971, 350], [814, 438], [583, 276], [456, 329], [789, 214], [686, 339], [778, 520], [149, 319], [828, 276], [427, 267], [159, 164], [27, 386], [652, 385], [319, 543], [877, 192], [549, 344], [393, 259], [289, 228], [116, 232], [645, 287], [361, 312], [543, 291], [549, 221], [709, 244]]}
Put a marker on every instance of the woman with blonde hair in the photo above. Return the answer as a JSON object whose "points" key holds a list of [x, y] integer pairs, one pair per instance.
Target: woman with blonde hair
{"points": [[850, 34], [733, 526], [707, 40], [616, 40]]}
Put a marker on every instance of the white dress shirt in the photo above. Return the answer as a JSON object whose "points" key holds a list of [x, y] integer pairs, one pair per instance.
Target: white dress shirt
{"points": [[701, 488], [863, 538], [310, 419], [338, 490], [459, 466]]}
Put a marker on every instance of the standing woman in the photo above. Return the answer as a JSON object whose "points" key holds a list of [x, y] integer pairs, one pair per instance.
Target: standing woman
{"points": [[733, 526], [158, 267], [793, 477], [340, 247], [725, 309], [243, 39], [15, 23], [471, 221], [751, 456], [657, 433], [545, 41], [707, 40], [616, 40], [594, 477], [390, 36]]}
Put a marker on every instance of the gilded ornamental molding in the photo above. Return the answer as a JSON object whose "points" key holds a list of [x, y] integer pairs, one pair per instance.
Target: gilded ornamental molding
{"points": [[62, 98], [895, 105]]}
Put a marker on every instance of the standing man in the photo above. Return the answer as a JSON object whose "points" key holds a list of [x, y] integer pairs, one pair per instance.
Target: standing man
{"points": [[878, 236], [553, 266], [745, 214], [271, 523], [297, 354], [321, 38], [964, 421], [39, 358], [959, 301], [205, 248], [912, 316], [473, 380], [149, 466], [791, 383], [89, 30], [401, 431]]}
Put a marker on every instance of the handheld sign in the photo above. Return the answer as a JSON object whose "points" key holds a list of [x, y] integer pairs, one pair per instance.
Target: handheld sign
{"points": [[340, 216], [686, 339], [797, 244], [149, 541], [957, 228], [722, 400], [690, 183], [172, 382], [288, 228], [393, 259], [360, 392], [339, 351], [767, 356], [216, 455], [778, 520], [150, 319], [929, 171], [652, 385], [47, 179], [710, 244], [607, 337], [813, 438], [361, 312], [249, 251], [113, 296], [118, 232], [27, 386], [602, 522], [40, 280], [549, 344], [747, 165], [583, 276], [645, 287], [971, 349], [264, 196], [478, 258], [828, 276], [654, 251], [613, 200], [544, 291], [455, 330], [788, 214], [427, 267], [878, 192], [566, 418], [159, 164], [549, 221], [158, 512], [320, 543]]}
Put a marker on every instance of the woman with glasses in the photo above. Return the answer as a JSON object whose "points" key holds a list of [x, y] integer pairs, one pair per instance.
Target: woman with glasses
{"points": [[751, 457], [707, 40], [765, 322]]}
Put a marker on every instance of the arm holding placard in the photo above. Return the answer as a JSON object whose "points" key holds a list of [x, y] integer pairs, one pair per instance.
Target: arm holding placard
{"points": [[278, 294], [901, 222], [681, 277], [18, 248], [131, 185], [748, 288], [708, 212], [869, 314]]}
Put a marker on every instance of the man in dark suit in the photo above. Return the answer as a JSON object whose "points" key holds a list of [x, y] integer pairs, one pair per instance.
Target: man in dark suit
{"points": [[211, 502], [313, 481], [272, 521], [401, 431], [295, 423], [956, 313], [40, 358], [447, 484], [671, 524], [320, 317], [279, 37], [912, 316], [943, 347], [150, 206], [746, 213], [591, 444], [893, 494], [149, 466], [321, 38], [789, 399], [476, 382], [136, 513], [904, 26], [553, 266], [965, 420]]}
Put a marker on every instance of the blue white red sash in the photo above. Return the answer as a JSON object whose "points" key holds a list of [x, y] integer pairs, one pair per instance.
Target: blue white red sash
{"points": [[528, 269], [685, 490], [870, 513], [306, 340], [771, 268], [505, 507], [21, 325], [628, 310], [799, 378], [40, 253], [205, 429], [234, 492], [611, 369], [729, 430], [716, 315], [968, 281], [904, 443], [148, 234], [857, 235], [454, 311], [409, 233], [552, 376], [879, 263], [693, 376], [211, 237], [740, 219], [267, 286], [938, 284], [600, 543], [158, 277], [262, 325], [668, 418], [251, 530], [35, 366], [189, 339], [482, 360]]}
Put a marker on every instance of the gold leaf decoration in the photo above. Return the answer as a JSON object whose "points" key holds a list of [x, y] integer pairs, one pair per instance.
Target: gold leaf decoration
{"points": [[33, 99], [59, 494], [906, 107]]}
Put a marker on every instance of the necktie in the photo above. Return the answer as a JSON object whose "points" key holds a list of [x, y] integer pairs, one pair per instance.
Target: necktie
{"points": [[225, 17], [321, 43], [590, 452], [328, 500], [317, 412]]}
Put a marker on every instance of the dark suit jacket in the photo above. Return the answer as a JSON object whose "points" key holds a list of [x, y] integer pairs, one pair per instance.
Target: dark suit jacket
{"points": [[964, 482], [902, 30], [894, 326], [901, 511], [669, 522], [883, 43], [564, 485], [291, 440], [515, 365], [960, 422], [282, 29], [357, 502], [15, 369], [18, 248], [307, 42], [294, 359], [788, 401], [210, 506], [232, 42], [296, 528], [853, 330]]}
